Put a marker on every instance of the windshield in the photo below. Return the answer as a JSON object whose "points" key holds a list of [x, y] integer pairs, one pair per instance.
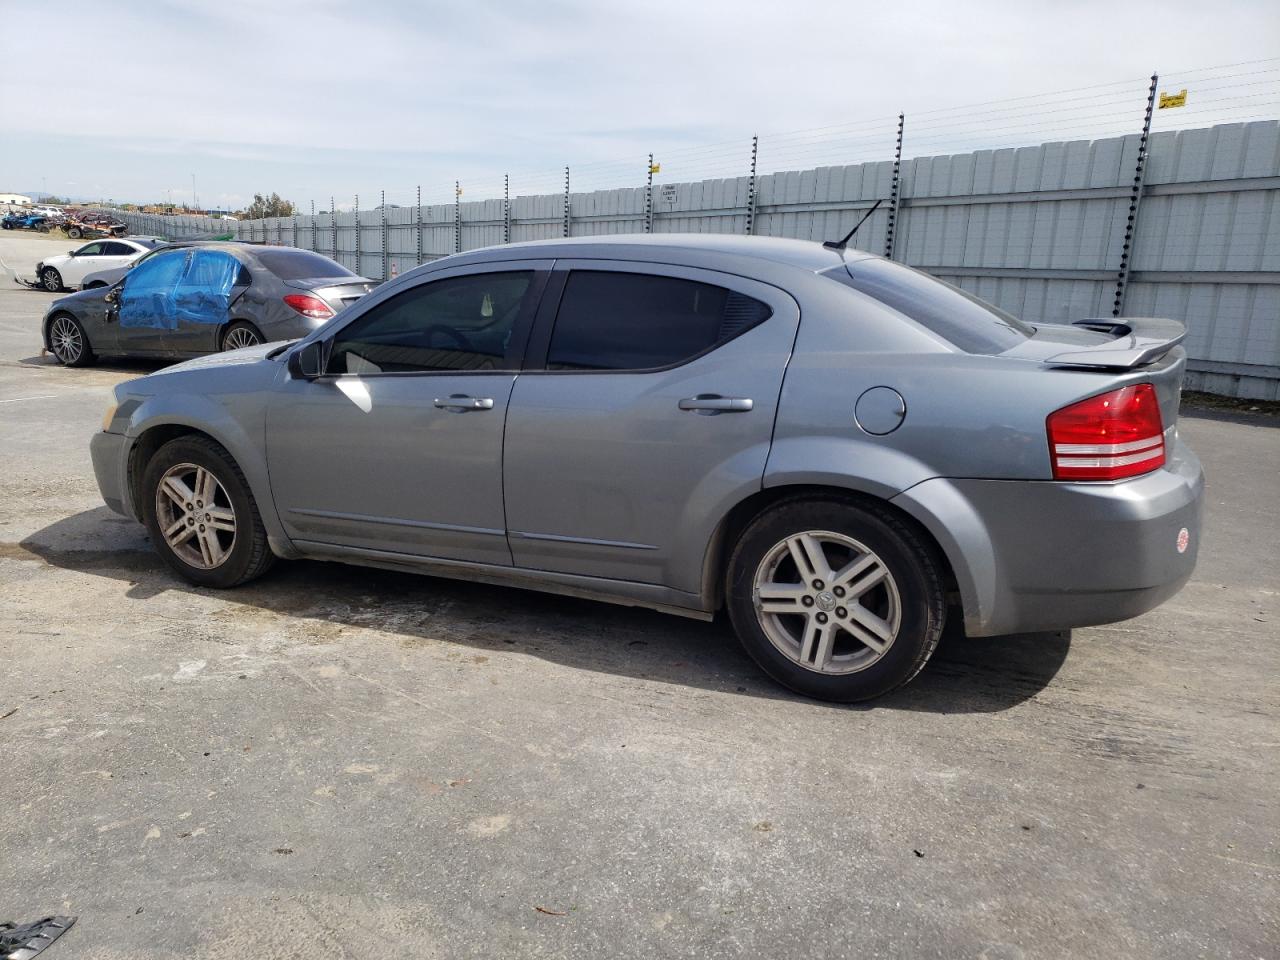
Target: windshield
{"points": [[959, 317], [299, 264]]}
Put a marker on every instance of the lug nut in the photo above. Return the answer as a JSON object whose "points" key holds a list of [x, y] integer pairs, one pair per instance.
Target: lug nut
{"points": [[822, 618], [200, 503], [191, 521], [838, 591], [817, 584], [841, 612], [807, 601], [202, 528]]}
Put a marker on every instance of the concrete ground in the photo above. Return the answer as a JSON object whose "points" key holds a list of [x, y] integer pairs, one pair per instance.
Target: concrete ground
{"points": [[341, 762]]}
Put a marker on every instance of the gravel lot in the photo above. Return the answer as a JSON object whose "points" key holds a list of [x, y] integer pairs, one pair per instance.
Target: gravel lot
{"points": [[353, 763]]}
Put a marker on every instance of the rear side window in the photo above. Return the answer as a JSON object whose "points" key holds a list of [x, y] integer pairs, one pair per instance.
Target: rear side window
{"points": [[636, 321], [957, 316], [299, 264]]}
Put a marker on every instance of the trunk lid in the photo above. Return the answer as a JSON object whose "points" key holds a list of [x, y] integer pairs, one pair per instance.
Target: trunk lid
{"points": [[338, 292], [1133, 349]]}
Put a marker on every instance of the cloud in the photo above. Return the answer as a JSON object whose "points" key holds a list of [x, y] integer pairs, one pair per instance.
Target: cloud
{"points": [[313, 97]]}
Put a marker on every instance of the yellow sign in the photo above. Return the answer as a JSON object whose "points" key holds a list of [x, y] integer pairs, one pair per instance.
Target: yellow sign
{"points": [[1168, 100], [655, 168]]}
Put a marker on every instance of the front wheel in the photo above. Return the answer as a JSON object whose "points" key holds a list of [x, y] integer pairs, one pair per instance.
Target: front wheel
{"points": [[74, 233], [837, 601], [68, 342], [201, 516], [51, 279]]}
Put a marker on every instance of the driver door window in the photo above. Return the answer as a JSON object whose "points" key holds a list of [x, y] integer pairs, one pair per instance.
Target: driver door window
{"points": [[456, 324], [91, 250]]}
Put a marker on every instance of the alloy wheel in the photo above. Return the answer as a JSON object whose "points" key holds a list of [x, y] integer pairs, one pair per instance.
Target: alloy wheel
{"points": [[196, 516], [52, 282], [827, 602], [65, 340], [240, 337]]}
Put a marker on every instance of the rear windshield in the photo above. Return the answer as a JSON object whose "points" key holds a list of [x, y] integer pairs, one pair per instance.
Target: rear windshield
{"points": [[290, 264], [959, 317]]}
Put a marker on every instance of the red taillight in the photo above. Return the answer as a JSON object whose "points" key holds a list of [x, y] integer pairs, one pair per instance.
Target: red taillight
{"points": [[309, 306], [1107, 437]]}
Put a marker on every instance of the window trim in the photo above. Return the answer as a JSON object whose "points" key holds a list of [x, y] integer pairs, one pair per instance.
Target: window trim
{"points": [[544, 328], [520, 328]]}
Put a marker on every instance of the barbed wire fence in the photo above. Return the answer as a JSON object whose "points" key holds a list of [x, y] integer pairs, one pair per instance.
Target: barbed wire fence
{"points": [[731, 185]]}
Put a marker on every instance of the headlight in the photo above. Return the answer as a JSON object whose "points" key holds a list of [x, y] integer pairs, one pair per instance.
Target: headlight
{"points": [[109, 416]]}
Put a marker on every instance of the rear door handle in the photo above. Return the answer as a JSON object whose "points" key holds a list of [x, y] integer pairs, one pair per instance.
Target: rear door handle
{"points": [[460, 403], [712, 403]]}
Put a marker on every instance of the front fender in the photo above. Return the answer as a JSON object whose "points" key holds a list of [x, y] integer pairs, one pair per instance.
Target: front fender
{"points": [[241, 433]]}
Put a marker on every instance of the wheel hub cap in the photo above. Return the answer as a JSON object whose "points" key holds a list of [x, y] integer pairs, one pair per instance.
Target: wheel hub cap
{"points": [[195, 516], [827, 602]]}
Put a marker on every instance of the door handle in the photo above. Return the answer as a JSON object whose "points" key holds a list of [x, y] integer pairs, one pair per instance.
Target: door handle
{"points": [[709, 404], [460, 403]]}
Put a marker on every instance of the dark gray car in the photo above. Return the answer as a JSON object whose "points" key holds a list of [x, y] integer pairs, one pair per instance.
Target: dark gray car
{"points": [[186, 299], [838, 449]]}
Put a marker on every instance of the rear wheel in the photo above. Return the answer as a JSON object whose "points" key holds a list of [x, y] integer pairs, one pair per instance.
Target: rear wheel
{"points": [[68, 342], [51, 279], [835, 600], [241, 334], [201, 516], [74, 233]]}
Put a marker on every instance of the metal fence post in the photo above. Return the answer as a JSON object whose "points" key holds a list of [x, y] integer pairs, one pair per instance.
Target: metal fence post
{"points": [[333, 223], [383, 196], [294, 240], [418, 223], [889, 230], [648, 199], [313, 225], [1135, 197], [506, 208], [566, 202], [357, 240], [457, 216]]}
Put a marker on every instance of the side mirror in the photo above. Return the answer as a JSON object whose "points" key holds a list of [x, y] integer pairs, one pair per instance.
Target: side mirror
{"points": [[307, 363]]}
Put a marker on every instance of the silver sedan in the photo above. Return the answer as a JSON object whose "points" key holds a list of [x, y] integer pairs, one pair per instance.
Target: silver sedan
{"points": [[838, 450]]}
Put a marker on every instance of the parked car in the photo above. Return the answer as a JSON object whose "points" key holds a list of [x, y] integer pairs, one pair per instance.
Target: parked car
{"points": [[93, 223], [832, 446], [71, 268], [185, 299], [26, 221], [105, 278]]}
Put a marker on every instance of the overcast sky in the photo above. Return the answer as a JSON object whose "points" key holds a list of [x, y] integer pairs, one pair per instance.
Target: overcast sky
{"points": [[318, 97]]}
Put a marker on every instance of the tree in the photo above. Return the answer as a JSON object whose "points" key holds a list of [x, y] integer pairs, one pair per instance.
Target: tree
{"points": [[271, 206]]}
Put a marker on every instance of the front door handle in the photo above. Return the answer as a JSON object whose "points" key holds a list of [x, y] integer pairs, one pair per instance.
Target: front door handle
{"points": [[709, 404], [460, 403]]}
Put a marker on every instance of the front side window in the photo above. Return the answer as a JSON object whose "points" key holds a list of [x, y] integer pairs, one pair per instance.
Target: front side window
{"points": [[459, 323], [637, 321], [147, 298], [90, 250]]}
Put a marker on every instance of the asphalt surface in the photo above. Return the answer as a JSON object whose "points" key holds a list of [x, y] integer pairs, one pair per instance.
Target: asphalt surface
{"points": [[342, 762]]}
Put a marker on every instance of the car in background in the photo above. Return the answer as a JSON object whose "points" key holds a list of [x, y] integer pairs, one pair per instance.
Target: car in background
{"points": [[105, 278], [26, 221], [840, 450], [190, 298], [94, 222], [70, 269]]}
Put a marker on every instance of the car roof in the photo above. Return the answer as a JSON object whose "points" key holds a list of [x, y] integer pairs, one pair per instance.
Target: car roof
{"points": [[802, 254]]}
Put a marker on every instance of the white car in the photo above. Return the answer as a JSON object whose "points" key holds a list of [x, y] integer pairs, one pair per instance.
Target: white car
{"points": [[68, 270]]}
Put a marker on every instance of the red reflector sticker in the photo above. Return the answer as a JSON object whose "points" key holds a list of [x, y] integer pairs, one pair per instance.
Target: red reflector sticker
{"points": [[1184, 538]]}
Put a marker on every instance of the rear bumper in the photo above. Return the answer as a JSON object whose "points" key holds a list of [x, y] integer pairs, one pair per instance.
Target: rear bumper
{"points": [[110, 454], [1039, 555]]}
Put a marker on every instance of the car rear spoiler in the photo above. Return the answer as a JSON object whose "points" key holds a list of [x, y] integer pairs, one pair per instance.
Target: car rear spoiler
{"points": [[1138, 341]]}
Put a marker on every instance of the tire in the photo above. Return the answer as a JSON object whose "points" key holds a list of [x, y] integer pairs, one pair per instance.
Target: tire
{"points": [[74, 233], [68, 342], [836, 646], [241, 334], [241, 553], [51, 279]]}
